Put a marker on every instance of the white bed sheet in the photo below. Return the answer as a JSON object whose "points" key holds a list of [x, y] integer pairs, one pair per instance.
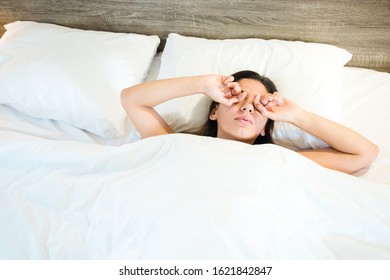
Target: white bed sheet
{"points": [[66, 194], [66, 200]]}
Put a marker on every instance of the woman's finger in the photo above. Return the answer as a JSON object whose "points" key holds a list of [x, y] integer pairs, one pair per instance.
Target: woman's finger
{"points": [[227, 79], [260, 107], [279, 98], [241, 96], [265, 99], [235, 87]]}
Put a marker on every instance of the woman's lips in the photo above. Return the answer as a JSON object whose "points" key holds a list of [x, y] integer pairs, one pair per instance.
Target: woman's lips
{"points": [[244, 120]]}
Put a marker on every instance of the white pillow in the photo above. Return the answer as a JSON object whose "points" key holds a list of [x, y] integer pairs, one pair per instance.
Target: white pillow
{"points": [[308, 73], [71, 75]]}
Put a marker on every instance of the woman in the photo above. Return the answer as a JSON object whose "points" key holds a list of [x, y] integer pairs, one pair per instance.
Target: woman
{"points": [[243, 109]]}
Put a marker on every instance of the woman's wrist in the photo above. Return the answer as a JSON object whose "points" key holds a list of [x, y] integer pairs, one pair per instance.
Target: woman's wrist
{"points": [[299, 117], [207, 82]]}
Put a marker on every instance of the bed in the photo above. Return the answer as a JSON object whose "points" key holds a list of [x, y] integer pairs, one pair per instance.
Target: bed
{"points": [[77, 182]]}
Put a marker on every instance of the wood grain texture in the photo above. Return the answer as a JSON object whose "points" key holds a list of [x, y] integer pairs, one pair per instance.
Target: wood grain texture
{"points": [[361, 27]]}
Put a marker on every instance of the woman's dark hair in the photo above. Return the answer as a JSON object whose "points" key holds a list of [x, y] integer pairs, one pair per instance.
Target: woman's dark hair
{"points": [[210, 127]]}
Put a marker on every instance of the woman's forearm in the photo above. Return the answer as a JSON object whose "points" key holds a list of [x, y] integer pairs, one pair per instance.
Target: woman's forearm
{"points": [[152, 93], [342, 139], [336, 135]]}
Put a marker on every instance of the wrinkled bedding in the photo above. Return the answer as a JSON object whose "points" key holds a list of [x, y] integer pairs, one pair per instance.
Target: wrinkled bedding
{"points": [[181, 196]]}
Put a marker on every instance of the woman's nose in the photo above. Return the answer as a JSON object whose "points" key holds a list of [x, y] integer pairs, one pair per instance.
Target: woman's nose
{"points": [[247, 106]]}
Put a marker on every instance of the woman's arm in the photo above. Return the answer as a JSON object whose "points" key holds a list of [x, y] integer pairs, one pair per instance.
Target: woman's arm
{"points": [[139, 100], [348, 152]]}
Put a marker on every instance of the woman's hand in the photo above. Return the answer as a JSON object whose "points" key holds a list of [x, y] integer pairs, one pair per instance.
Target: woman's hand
{"points": [[223, 89], [276, 107], [271, 100]]}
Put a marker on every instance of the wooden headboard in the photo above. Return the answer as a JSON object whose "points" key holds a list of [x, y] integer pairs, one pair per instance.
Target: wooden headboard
{"points": [[361, 27]]}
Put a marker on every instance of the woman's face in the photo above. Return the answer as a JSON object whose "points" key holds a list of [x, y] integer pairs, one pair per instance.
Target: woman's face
{"points": [[241, 121]]}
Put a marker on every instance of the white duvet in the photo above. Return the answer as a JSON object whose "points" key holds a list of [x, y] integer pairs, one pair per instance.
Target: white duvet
{"points": [[182, 197]]}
